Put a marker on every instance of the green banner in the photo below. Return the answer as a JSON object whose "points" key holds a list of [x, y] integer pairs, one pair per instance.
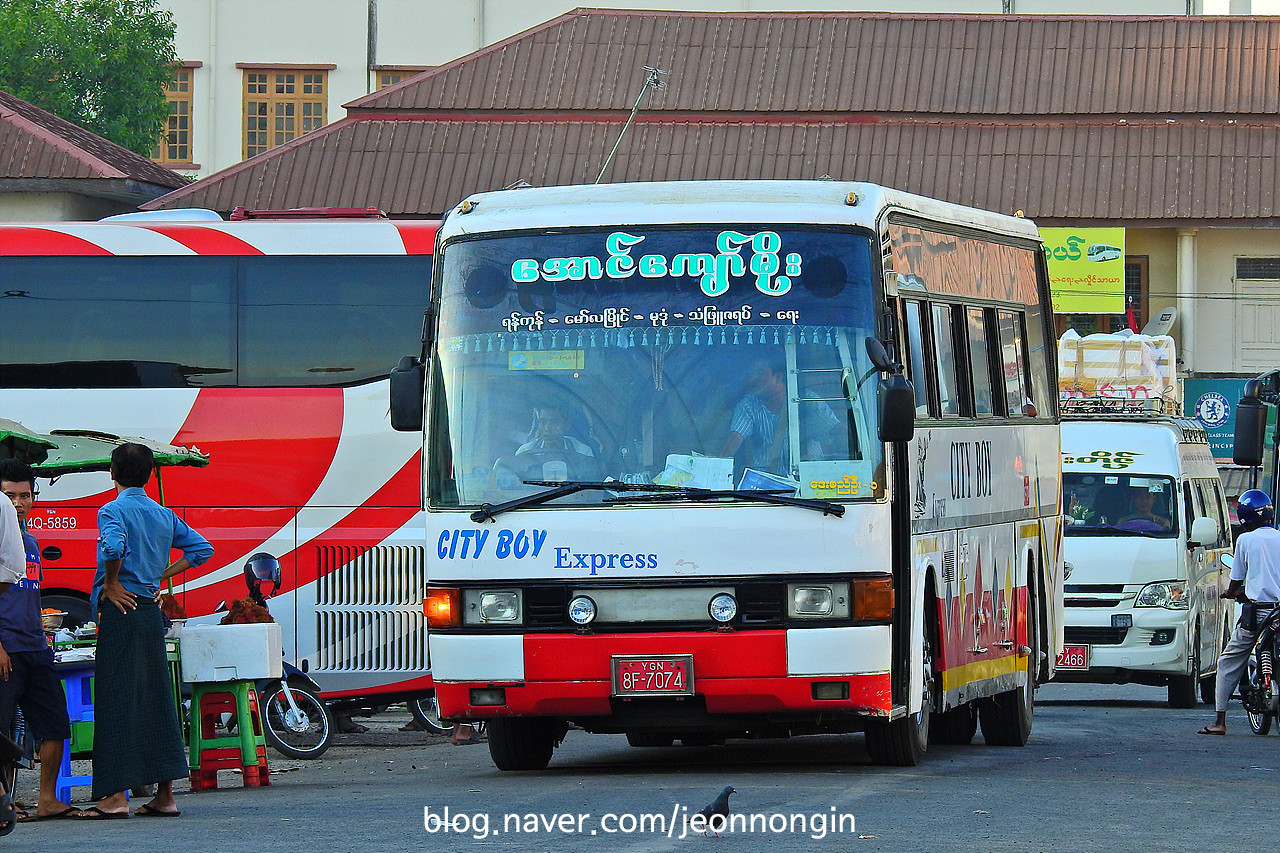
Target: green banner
{"points": [[1086, 269]]}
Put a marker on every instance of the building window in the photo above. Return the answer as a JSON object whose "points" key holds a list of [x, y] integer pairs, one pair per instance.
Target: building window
{"points": [[1258, 269], [280, 105], [389, 75], [175, 144]]}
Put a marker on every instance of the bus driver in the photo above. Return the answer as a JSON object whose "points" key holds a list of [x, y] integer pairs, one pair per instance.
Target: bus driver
{"points": [[550, 454]]}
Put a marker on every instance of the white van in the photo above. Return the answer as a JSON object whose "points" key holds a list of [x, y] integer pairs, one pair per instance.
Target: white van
{"points": [[1146, 527]]}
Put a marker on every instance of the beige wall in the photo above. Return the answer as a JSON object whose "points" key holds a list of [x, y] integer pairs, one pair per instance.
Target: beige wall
{"points": [[56, 207]]}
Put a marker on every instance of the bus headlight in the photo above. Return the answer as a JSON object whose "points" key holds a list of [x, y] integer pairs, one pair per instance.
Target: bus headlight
{"points": [[1171, 595], [582, 610], [491, 607], [818, 600], [723, 608]]}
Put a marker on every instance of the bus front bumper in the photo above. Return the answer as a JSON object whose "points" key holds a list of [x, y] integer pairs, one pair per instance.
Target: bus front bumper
{"points": [[734, 672]]}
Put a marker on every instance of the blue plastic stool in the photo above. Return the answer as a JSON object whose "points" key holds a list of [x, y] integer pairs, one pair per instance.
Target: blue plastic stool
{"points": [[78, 684]]}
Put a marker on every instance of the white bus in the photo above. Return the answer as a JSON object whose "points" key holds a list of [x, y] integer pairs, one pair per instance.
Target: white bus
{"points": [[678, 486]]}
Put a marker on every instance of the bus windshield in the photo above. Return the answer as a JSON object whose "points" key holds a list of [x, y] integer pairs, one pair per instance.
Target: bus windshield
{"points": [[1120, 505], [705, 357]]}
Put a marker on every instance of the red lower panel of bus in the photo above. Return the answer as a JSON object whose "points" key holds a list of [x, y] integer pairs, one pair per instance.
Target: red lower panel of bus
{"points": [[738, 673]]}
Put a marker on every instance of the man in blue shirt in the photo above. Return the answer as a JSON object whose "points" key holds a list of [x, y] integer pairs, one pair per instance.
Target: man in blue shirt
{"points": [[26, 661], [137, 739]]}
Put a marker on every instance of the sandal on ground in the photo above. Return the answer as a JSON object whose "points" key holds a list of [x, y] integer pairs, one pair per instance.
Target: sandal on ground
{"points": [[1211, 731]]}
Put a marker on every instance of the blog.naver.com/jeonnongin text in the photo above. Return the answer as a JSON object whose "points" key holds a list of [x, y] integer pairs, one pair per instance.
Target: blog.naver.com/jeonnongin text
{"points": [[680, 822]]}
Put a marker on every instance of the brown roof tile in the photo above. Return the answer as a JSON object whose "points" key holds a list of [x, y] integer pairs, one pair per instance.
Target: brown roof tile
{"points": [[1051, 170], [865, 63], [1067, 118]]}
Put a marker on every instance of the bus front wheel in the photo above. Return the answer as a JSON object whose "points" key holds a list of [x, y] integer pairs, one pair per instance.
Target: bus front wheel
{"points": [[524, 743], [902, 742]]}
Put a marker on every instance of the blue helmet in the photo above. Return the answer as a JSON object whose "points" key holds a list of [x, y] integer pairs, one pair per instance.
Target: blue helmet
{"points": [[1255, 507]]}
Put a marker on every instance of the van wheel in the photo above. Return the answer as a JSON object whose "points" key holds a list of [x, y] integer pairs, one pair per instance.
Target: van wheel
{"points": [[1182, 688]]}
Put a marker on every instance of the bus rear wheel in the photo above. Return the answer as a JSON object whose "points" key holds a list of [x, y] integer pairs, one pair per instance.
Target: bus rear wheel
{"points": [[1006, 717], [954, 727], [524, 743]]}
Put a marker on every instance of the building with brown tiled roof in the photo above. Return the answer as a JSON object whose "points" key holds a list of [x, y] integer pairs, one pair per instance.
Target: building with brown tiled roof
{"points": [[51, 169], [1166, 126]]}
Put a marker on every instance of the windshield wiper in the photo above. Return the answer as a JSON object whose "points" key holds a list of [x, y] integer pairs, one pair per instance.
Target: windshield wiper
{"points": [[781, 497], [654, 493], [560, 489]]}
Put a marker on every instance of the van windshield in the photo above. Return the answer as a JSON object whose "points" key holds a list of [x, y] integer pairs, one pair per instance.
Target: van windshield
{"points": [[1120, 505]]}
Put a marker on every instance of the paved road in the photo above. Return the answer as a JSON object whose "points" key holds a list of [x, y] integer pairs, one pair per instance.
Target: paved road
{"points": [[1107, 768]]}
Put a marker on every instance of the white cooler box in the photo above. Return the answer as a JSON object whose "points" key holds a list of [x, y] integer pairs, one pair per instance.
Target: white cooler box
{"points": [[232, 652]]}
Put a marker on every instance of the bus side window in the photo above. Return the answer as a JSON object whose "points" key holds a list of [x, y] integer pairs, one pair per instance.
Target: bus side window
{"points": [[916, 358], [945, 361], [1016, 388], [980, 362]]}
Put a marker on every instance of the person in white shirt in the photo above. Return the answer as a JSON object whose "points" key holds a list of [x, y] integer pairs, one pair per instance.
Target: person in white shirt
{"points": [[13, 554], [1256, 572]]}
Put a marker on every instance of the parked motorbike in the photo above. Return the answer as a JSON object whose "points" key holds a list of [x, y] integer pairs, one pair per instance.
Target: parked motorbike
{"points": [[1260, 688], [295, 720]]}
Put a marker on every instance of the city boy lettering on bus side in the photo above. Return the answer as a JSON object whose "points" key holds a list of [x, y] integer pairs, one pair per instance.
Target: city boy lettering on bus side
{"points": [[826, 341]]}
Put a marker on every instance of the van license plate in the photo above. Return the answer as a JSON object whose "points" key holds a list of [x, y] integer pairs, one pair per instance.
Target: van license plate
{"points": [[1073, 657], [665, 675]]}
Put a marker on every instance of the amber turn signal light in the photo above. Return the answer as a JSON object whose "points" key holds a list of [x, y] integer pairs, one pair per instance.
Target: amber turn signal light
{"points": [[873, 599], [442, 608]]}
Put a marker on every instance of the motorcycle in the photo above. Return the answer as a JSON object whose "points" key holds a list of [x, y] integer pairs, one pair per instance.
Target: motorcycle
{"points": [[1260, 688], [295, 720]]}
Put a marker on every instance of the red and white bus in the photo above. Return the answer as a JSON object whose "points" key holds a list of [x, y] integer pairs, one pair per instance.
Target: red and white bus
{"points": [[266, 343], [679, 487]]}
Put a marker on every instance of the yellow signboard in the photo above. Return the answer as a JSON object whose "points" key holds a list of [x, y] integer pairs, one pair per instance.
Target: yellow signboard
{"points": [[1086, 269], [563, 359]]}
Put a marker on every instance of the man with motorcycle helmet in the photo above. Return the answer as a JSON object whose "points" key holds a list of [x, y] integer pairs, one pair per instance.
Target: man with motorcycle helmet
{"points": [[1256, 571]]}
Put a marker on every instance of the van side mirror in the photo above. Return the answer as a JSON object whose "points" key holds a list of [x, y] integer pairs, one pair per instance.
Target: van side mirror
{"points": [[897, 401], [1204, 532], [1251, 428], [408, 392]]}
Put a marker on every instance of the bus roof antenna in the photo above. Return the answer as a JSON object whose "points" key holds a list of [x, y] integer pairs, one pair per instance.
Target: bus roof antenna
{"points": [[652, 81]]}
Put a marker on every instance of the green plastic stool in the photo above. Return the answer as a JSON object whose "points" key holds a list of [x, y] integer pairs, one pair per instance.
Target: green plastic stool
{"points": [[245, 750]]}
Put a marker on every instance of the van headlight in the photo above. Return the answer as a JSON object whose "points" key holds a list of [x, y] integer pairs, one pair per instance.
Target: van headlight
{"points": [[491, 607], [818, 600], [1171, 595]]}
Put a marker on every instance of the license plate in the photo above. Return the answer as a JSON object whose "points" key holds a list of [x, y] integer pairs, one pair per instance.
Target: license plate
{"points": [[1073, 657], [642, 675]]}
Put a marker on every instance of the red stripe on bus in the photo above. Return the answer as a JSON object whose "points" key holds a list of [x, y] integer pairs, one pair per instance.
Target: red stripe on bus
{"points": [[204, 240], [267, 446], [419, 239], [26, 241]]}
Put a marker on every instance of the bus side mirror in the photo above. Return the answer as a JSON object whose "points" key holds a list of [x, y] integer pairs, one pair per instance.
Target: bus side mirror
{"points": [[1251, 427], [897, 409], [408, 390]]}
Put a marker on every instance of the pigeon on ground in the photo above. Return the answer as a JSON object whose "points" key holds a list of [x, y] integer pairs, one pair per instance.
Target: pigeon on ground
{"points": [[719, 806]]}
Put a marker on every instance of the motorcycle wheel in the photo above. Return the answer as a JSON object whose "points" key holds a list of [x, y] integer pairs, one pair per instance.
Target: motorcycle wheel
{"points": [[1259, 721], [306, 733], [426, 713]]}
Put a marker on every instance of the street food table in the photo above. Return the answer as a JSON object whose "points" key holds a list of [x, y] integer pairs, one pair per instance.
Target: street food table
{"points": [[75, 666]]}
